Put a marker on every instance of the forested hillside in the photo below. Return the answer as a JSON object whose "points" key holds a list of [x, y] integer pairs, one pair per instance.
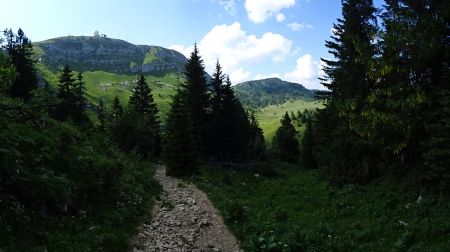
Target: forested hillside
{"points": [[272, 91]]}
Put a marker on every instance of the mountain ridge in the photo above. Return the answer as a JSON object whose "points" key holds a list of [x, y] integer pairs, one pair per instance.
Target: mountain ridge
{"points": [[90, 53]]}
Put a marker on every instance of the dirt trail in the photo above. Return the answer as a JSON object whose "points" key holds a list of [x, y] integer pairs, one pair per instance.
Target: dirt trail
{"points": [[183, 220]]}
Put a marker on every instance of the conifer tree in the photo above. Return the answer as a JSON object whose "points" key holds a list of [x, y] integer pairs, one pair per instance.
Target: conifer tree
{"points": [[7, 75], [20, 52], [102, 115], [180, 152], [307, 151], [349, 78], [140, 122], [256, 146], [66, 94], [79, 91], [197, 98], [285, 142], [142, 99], [117, 108]]}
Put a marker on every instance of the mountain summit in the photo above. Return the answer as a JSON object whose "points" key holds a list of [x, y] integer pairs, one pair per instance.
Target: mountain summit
{"points": [[91, 53]]}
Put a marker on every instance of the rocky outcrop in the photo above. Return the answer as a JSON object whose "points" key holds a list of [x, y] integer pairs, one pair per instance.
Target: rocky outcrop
{"points": [[85, 53]]}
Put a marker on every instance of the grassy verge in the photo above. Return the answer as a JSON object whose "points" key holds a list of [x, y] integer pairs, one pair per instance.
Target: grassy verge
{"points": [[291, 209]]}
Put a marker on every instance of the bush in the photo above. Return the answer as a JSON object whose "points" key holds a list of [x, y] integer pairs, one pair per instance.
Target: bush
{"points": [[67, 190]]}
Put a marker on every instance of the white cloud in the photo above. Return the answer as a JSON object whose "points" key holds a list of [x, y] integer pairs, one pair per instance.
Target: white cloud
{"points": [[235, 49], [239, 75], [186, 51], [229, 6], [297, 26], [306, 72], [260, 10], [280, 17]]}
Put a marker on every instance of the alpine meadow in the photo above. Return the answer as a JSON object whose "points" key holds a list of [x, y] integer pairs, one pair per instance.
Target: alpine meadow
{"points": [[231, 125]]}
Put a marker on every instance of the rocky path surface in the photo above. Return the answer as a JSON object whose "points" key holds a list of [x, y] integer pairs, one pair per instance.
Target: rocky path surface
{"points": [[183, 220]]}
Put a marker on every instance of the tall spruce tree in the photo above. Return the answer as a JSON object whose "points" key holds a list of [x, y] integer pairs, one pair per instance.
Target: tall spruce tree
{"points": [[142, 98], [307, 147], [79, 92], [197, 98], [180, 150], [141, 121], [102, 115], [20, 52], [349, 78], [66, 95], [256, 149], [285, 142], [116, 108]]}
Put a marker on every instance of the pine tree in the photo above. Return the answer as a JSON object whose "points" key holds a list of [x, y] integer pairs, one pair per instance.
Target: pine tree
{"points": [[215, 139], [285, 142], [180, 152], [256, 146], [102, 115], [142, 122], [117, 108], [7, 75], [197, 98], [20, 52], [307, 152], [346, 152], [142, 99], [66, 106], [79, 91]]}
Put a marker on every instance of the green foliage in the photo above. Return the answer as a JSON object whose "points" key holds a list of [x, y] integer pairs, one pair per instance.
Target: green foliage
{"points": [[71, 104], [139, 128], [285, 143], [296, 210], [307, 147], [272, 91], [180, 151], [133, 132], [19, 52], [116, 109], [197, 98], [64, 189], [386, 94]]}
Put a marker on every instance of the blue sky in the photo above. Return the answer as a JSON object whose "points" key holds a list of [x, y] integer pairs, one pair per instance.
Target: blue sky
{"points": [[251, 38]]}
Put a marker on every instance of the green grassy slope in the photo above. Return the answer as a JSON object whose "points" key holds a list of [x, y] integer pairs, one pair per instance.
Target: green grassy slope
{"points": [[100, 84], [295, 210], [269, 117]]}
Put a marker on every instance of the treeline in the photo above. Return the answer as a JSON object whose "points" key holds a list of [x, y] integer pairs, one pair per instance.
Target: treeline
{"points": [[64, 183], [388, 109], [206, 122]]}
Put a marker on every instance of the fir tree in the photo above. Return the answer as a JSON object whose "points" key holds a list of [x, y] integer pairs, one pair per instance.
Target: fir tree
{"points": [[256, 146], [142, 122], [79, 91], [117, 108], [285, 142], [179, 149], [307, 152], [197, 98], [102, 115], [349, 78], [20, 52], [66, 106], [142, 99]]}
